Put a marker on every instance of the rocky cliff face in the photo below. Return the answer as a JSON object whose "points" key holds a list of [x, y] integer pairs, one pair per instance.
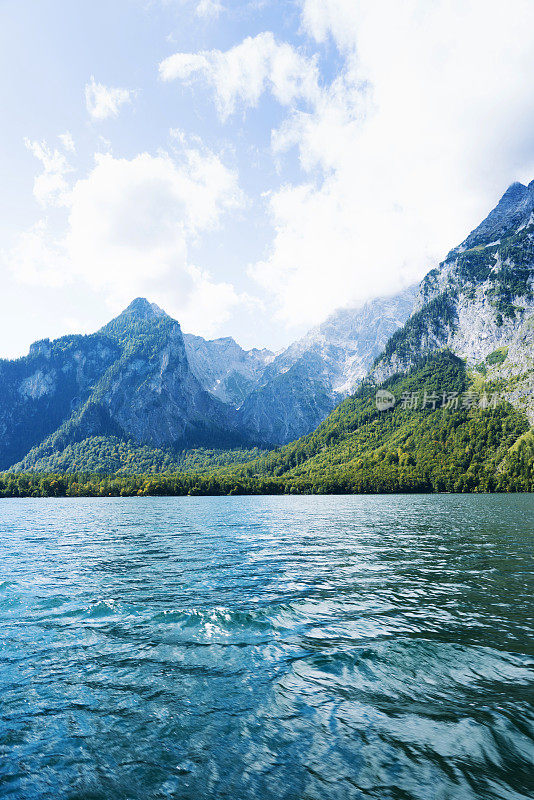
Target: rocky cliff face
{"points": [[308, 379], [139, 378], [289, 404], [350, 339], [513, 212], [131, 380], [38, 392], [224, 369], [479, 303]]}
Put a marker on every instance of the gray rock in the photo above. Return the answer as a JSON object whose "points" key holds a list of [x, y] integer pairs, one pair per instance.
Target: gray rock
{"points": [[224, 369], [478, 301], [306, 381]]}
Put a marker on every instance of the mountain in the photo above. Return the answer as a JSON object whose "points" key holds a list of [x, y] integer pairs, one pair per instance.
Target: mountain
{"points": [[130, 380], [224, 369], [358, 448], [138, 391], [350, 339], [140, 379], [479, 304], [301, 385], [151, 391]]}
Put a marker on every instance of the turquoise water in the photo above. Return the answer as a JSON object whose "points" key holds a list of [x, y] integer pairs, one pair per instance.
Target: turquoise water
{"points": [[267, 647]]}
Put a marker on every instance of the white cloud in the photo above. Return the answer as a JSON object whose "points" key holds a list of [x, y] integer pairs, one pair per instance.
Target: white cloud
{"points": [[50, 187], [242, 74], [37, 258], [208, 305], [132, 220], [105, 101], [338, 18], [428, 117], [209, 9], [431, 114], [67, 141], [130, 227], [182, 66]]}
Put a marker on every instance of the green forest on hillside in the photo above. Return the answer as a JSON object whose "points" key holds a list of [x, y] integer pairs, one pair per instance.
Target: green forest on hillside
{"points": [[468, 444], [110, 455]]}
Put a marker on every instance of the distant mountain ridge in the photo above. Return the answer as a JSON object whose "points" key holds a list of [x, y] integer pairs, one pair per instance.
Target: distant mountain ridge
{"points": [[141, 380], [224, 369], [301, 385]]}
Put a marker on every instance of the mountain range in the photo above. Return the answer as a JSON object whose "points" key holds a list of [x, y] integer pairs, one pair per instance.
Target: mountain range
{"points": [[141, 380]]}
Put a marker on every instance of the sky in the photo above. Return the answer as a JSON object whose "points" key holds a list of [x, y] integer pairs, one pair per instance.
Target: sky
{"points": [[249, 166]]}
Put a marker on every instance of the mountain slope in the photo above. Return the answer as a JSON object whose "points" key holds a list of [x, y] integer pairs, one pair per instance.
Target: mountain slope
{"points": [[308, 379], [113, 455], [39, 391], [478, 302], [147, 394], [459, 448], [350, 339], [224, 369], [463, 446]]}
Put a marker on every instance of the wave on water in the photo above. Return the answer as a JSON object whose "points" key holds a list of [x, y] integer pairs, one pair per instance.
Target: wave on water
{"points": [[267, 649]]}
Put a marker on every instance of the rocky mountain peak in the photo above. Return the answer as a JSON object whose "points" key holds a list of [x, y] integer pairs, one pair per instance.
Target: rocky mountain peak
{"points": [[40, 348], [514, 191], [140, 317], [513, 209], [142, 309], [479, 304]]}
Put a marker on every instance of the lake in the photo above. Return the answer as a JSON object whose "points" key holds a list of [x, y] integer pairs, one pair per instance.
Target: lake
{"points": [[293, 648]]}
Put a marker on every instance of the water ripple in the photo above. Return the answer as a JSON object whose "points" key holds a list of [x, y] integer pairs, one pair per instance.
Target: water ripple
{"points": [[284, 648]]}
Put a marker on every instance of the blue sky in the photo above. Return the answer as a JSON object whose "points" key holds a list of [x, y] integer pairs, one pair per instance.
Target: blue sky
{"points": [[249, 166]]}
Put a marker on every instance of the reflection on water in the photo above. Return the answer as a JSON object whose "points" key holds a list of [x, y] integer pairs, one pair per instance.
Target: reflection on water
{"points": [[291, 648]]}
